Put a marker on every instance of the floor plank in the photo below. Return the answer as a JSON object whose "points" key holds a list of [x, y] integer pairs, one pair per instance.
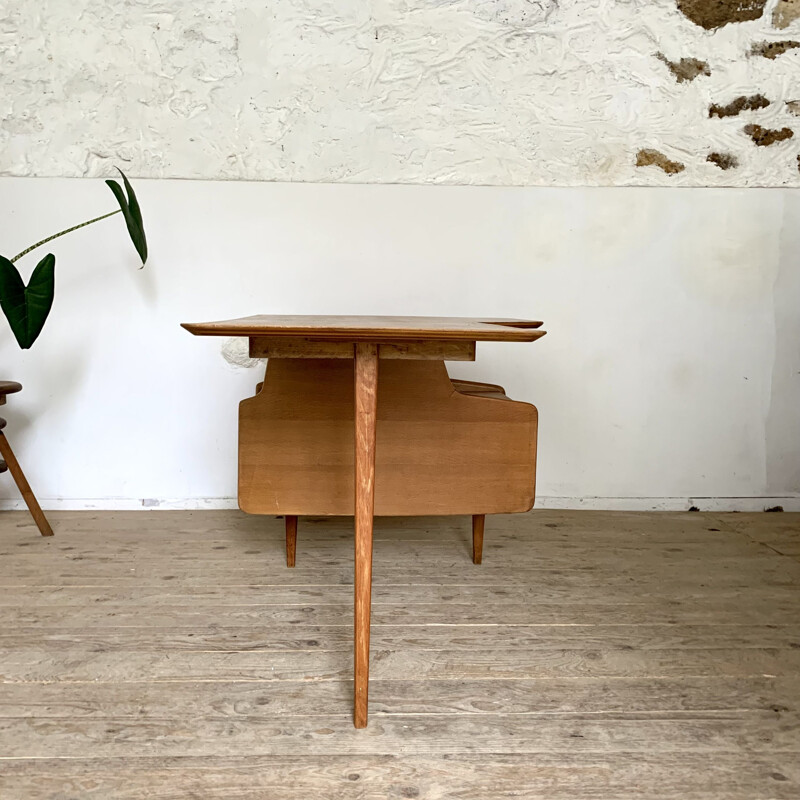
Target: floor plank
{"points": [[287, 638], [576, 776], [658, 696], [758, 607], [755, 733], [780, 532]]}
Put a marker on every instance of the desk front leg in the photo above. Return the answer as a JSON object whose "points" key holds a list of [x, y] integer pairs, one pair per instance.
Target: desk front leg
{"points": [[366, 402]]}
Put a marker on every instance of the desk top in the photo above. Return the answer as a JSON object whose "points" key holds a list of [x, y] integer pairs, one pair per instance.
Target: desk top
{"points": [[374, 329]]}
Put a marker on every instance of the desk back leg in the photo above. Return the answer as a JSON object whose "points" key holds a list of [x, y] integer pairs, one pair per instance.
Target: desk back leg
{"points": [[291, 539], [478, 521]]}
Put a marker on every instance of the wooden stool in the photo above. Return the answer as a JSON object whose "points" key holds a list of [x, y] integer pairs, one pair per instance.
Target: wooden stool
{"points": [[470, 388], [11, 464]]}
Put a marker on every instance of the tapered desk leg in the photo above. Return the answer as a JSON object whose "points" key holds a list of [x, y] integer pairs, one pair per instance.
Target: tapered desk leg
{"points": [[366, 401], [291, 539]]}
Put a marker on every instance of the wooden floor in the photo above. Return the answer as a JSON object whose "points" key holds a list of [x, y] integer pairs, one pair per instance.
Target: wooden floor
{"points": [[592, 655]]}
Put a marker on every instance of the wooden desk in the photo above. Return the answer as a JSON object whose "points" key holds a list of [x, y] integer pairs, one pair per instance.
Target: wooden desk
{"points": [[443, 447]]}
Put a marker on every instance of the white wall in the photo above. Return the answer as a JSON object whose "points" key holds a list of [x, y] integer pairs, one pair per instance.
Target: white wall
{"points": [[501, 92], [671, 368]]}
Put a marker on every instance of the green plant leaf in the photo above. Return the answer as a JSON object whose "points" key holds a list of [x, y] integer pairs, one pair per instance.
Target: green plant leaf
{"points": [[26, 307], [132, 213]]}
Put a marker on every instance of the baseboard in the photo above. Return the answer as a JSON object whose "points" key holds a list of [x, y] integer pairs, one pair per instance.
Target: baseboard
{"points": [[788, 503], [124, 504]]}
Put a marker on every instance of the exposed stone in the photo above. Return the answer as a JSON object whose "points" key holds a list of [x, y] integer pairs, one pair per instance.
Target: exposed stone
{"points": [[773, 49], [764, 137], [743, 103], [793, 107], [687, 69], [711, 14], [723, 160], [560, 88], [785, 13], [655, 158]]}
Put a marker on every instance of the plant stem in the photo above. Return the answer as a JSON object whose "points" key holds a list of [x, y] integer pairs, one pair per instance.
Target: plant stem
{"points": [[61, 233]]}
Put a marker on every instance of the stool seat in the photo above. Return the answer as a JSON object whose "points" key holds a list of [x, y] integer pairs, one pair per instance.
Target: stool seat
{"points": [[9, 387]]}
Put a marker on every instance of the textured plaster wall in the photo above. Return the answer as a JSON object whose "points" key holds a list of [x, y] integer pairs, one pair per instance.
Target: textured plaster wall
{"points": [[508, 92]]}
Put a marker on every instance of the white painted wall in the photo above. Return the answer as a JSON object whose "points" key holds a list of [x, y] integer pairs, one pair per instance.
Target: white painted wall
{"points": [[671, 369], [501, 92]]}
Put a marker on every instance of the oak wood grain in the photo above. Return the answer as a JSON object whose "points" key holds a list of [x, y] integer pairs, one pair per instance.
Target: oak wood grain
{"points": [[291, 539], [306, 347], [439, 451], [478, 523], [366, 405], [374, 329]]}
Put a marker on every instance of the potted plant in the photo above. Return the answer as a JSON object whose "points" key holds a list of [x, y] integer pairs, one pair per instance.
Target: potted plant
{"points": [[27, 306]]}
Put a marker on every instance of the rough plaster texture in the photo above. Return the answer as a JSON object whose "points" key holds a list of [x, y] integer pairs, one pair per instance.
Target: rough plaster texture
{"points": [[508, 92]]}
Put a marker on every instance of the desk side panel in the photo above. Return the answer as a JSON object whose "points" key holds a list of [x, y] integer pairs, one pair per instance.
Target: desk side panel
{"points": [[438, 451]]}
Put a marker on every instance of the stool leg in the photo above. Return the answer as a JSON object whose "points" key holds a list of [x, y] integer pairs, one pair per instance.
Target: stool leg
{"points": [[24, 487], [478, 521], [291, 539]]}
